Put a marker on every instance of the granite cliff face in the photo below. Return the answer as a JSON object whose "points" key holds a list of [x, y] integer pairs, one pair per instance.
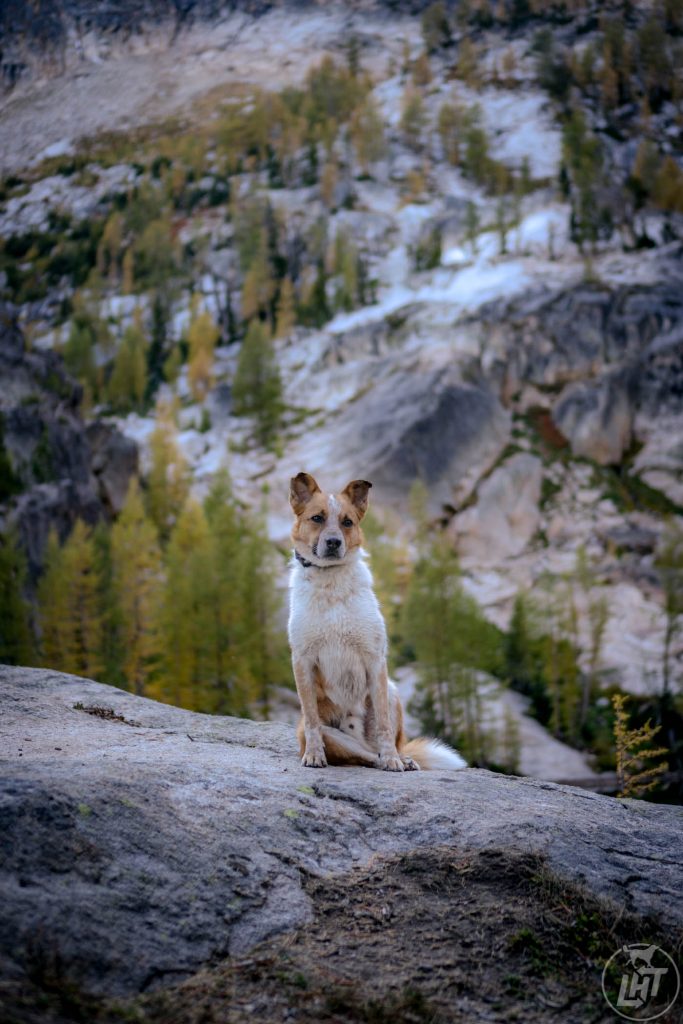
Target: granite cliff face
{"points": [[56, 36], [139, 842], [56, 468]]}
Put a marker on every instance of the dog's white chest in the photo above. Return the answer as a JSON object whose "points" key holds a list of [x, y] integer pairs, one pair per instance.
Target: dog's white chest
{"points": [[335, 622]]}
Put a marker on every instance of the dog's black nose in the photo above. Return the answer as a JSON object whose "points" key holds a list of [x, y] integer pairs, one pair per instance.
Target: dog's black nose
{"points": [[333, 543]]}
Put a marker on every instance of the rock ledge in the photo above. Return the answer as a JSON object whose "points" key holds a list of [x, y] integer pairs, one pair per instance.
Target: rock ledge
{"points": [[142, 841]]}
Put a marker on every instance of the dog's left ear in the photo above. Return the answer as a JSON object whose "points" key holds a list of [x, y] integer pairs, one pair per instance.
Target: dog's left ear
{"points": [[357, 493]]}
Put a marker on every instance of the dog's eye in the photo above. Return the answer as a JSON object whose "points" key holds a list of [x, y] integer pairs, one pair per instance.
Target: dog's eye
{"points": [[317, 519], [347, 522]]}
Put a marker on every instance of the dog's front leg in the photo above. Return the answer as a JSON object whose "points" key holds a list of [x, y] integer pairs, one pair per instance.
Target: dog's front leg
{"points": [[314, 752], [389, 759]]}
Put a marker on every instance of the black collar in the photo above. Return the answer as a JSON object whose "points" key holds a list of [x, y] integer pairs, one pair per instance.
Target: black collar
{"points": [[307, 565]]}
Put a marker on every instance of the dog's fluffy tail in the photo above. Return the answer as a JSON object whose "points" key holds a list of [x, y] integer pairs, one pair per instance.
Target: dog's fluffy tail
{"points": [[432, 754]]}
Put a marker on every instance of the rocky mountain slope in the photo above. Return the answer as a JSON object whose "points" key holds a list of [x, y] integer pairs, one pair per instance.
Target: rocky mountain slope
{"points": [[141, 842], [56, 468]]}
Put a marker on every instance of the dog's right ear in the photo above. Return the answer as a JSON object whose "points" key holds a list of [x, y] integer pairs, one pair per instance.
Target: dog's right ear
{"points": [[302, 487]]}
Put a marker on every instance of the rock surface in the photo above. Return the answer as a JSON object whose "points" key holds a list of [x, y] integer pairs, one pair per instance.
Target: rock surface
{"points": [[140, 841], [506, 514], [59, 469]]}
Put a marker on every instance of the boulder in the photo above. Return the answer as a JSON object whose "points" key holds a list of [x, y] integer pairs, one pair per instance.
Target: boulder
{"points": [[597, 417], [139, 841], [114, 460], [506, 513], [432, 426]]}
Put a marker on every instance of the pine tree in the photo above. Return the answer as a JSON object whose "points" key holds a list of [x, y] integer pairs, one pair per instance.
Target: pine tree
{"points": [[157, 349], [168, 481], [450, 130], [112, 651], [259, 286], [422, 72], [285, 317], [668, 186], [257, 386], [155, 255], [230, 694], [69, 606], [51, 610], [345, 266], [202, 337], [79, 355], [670, 565], [453, 645], [632, 750], [413, 118], [328, 183], [87, 334], [436, 29], [16, 641], [109, 251], [186, 612], [263, 648], [367, 135], [472, 226], [137, 581], [127, 384]]}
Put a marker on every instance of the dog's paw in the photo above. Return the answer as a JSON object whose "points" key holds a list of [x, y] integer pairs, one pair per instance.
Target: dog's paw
{"points": [[390, 763], [314, 758], [409, 765]]}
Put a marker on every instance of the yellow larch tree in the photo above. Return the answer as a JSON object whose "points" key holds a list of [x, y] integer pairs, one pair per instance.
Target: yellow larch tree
{"points": [[69, 602], [137, 579], [202, 337], [168, 481]]}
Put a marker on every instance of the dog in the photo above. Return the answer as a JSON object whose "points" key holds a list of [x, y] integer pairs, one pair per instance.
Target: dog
{"points": [[351, 711]]}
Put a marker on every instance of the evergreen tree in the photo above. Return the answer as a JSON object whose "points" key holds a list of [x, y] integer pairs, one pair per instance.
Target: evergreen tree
{"points": [[450, 130], [436, 29], [413, 118], [328, 183], [127, 384], [16, 641], [230, 693], [633, 750], [137, 581], [109, 251], [263, 649], [112, 652], [156, 354], [345, 265], [257, 386], [168, 481], [69, 606], [186, 613], [51, 611], [670, 566], [285, 318], [453, 644], [259, 287], [87, 334], [367, 135], [155, 255], [472, 226], [667, 191], [202, 337]]}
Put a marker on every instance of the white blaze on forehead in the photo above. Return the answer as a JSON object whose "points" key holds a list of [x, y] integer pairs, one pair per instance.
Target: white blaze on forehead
{"points": [[334, 505]]}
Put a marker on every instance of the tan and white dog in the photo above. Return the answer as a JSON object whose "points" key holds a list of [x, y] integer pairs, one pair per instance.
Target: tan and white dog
{"points": [[352, 713]]}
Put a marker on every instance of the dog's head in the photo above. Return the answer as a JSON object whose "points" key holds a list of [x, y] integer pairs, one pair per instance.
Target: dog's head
{"points": [[327, 526]]}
